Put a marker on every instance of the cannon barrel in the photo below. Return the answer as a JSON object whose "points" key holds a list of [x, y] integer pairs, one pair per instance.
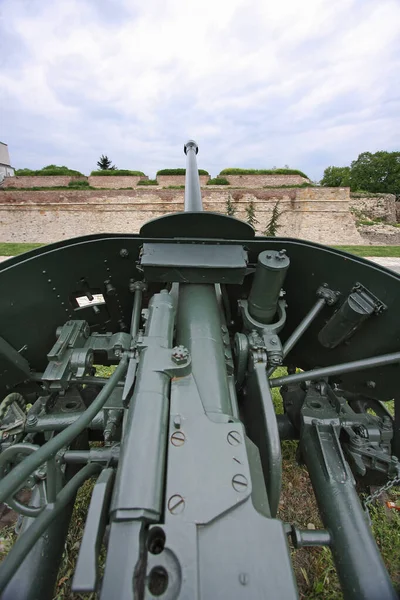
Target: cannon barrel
{"points": [[193, 202]]}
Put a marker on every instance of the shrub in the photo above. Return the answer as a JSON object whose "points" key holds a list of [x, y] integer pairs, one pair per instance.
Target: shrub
{"points": [[179, 172], [24, 172], [148, 182], [251, 215], [175, 187], [273, 225], [81, 183], [117, 173], [230, 207], [48, 171], [218, 181], [235, 171]]}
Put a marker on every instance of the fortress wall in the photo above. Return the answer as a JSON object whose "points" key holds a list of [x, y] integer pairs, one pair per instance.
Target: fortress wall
{"points": [[316, 214]]}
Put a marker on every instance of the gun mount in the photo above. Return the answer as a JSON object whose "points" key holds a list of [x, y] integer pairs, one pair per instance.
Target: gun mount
{"points": [[195, 313]]}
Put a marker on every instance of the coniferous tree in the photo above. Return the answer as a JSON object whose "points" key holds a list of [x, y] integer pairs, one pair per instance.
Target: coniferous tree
{"points": [[104, 164], [251, 215], [230, 208], [273, 226]]}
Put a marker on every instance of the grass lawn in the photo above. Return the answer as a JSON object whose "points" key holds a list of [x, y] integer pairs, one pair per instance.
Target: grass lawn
{"points": [[7, 249], [12, 249], [371, 250]]}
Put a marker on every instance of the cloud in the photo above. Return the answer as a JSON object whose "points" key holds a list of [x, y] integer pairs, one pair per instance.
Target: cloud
{"points": [[258, 84]]}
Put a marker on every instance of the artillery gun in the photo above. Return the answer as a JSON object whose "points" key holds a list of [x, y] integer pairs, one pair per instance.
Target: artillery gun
{"points": [[182, 439]]}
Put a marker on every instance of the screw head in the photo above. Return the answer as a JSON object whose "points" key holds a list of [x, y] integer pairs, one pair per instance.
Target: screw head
{"points": [[234, 438], [239, 482], [178, 438], [176, 504], [123, 253]]}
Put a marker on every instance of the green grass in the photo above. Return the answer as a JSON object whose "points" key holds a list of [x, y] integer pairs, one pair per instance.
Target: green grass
{"points": [[236, 171], [12, 249], [371, 250]]}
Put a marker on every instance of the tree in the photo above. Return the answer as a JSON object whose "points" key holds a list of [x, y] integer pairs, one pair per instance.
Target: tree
{"points": [[104, 164], [336, 177], [251, 215], [230, 208], [273, 226], [379, 172]]}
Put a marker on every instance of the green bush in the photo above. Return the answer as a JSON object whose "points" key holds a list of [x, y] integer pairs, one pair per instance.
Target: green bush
{"points": [[218, 181], [148, 182], [117, 173], [235, 171], [48, 171], [81, 183], [175, 187], [179, 172]]}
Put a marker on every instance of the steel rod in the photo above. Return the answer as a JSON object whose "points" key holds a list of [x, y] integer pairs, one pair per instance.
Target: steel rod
{"points": [[300, 330], [303, 326], [137, 305], [26, 542], [193, 201], [86, 380], [14, 480], [349, 367]]}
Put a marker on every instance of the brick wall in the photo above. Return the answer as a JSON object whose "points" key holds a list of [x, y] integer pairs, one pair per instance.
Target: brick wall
{"points": [[378, 206], [114, 182], [166, 180], [317, 214], [39, 181], [255, 181]]}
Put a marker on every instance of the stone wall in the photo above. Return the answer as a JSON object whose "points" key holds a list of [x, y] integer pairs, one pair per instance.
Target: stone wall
{"points": [[259, 181], [39, 181], [380, 235], [316, 214], [166, 180], [114, 182], [375, 206]]}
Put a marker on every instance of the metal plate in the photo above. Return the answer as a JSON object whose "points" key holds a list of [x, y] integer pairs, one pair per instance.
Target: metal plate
{"points": [[198, 225]]}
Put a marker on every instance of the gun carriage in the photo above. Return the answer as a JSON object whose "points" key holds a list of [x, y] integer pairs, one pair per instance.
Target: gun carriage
{"points": [[183, 441]]}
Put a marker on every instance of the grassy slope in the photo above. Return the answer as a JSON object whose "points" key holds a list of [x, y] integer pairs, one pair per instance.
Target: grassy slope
{"points": [[11, 249]]}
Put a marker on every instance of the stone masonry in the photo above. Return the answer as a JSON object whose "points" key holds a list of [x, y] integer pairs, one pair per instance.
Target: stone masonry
{"points": [[254, 181], [39, 181], [317, 214], [375, 206], [114, 182]]}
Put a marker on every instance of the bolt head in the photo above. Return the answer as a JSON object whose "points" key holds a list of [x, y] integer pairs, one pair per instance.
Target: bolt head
{"points": [[123, 253], [180, 355]]}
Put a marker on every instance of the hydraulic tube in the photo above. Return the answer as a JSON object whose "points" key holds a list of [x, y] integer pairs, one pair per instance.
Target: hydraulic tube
{"points": [[193, 202]]}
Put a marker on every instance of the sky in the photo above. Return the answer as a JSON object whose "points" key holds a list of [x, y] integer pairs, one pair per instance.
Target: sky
{"points": [[257, 83]]}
